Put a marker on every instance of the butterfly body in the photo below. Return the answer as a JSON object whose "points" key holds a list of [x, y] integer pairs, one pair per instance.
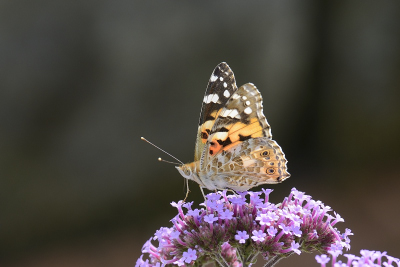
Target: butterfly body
{"points": [[234, 148]]}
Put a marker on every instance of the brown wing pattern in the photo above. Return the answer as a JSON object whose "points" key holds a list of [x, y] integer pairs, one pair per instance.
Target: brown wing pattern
{"points": [[221, 87], [251, 163], [240, 119]]}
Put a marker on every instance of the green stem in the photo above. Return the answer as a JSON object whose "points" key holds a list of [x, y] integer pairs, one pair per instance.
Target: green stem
{"points": [[274, 260], [250, 259], [221, 261]]}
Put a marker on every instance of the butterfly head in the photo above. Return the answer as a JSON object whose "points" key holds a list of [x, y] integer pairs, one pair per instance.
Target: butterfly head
{"points": [[189, 171], [186, 171]]}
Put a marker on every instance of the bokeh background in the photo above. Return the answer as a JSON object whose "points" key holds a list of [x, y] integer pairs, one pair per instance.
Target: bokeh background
{"points": [[81, 81]]}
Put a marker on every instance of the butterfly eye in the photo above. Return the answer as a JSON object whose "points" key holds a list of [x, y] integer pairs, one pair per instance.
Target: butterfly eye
{"points": [[270, 171], [264, 154]]}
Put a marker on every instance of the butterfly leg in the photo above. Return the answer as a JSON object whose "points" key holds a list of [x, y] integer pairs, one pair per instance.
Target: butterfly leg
{"points": [[187, 190], [233, 191], [203, 193]]}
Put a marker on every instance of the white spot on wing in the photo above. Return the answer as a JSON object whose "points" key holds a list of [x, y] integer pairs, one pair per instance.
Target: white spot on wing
{"points": [[227, 94], [233, 113], [247, 103], [211, 98], [220, 135], [214, 98], [248, 110], [235, 96], [221, 79], [213, 78], [244, 98], [225, 84]]}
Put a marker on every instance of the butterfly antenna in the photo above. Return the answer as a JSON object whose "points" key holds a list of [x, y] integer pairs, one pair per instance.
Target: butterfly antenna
{"points": [[163, 160], [144, 139]]}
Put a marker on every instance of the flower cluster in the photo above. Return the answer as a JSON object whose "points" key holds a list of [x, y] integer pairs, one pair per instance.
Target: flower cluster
{"points": [[368, 258], [232, 230]]}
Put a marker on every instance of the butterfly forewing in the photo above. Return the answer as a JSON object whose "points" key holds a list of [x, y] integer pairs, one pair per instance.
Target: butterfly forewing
{"points": [[220, 88], [240, 119]]}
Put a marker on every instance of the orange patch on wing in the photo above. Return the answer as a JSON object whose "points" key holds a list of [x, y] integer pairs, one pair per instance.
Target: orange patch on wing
{"points": [[205, 128], [253, 130], [214, 148]]}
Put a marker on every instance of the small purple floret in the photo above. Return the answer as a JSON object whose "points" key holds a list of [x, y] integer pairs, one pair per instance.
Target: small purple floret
{"points": [[210, 218], [242, 236], [323, 259], [189, 256], [258, 235]]}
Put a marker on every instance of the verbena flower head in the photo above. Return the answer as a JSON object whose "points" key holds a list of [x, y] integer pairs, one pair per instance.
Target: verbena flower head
{"points": [[367, 258], [233, 229]]}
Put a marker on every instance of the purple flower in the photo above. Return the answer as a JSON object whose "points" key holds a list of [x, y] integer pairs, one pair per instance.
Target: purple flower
{"points": [[213, 196], [296, 230], [219, 230], [285, 229], [255, 198], [214, 205], [335, 252], [347, 232], [264, 219], [188, 205], [193, 213], [266, 193], [272, 231], [295, 248], [226, 214], [189, 256], [237, 200], [323, 259], [210, 218], [258, 235], [241, 236], [337, 219]]}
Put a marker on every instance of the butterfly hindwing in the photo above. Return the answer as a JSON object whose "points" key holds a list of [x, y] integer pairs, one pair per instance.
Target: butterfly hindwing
{"points": [[250, 163], [221, 87]]}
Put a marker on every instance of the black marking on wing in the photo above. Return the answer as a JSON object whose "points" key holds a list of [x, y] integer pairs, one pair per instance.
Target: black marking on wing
{"points": [[225, 142], [209, 118], [216, 86], [244, 138]]}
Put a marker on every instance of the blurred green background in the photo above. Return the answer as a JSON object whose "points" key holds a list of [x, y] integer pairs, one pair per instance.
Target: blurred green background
{"points": [[81, 81]]}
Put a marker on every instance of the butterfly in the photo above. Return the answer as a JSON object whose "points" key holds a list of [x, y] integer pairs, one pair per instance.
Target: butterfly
{"points": [[234, 147]]}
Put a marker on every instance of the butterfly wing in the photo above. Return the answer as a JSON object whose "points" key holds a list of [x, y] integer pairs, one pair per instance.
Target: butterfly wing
{"points": [[221, 87], [240, 119], [239, 146], [248, 164]]}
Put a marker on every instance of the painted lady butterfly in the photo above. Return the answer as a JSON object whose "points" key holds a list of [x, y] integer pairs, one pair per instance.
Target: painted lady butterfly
{"points": [[234, 148]]}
